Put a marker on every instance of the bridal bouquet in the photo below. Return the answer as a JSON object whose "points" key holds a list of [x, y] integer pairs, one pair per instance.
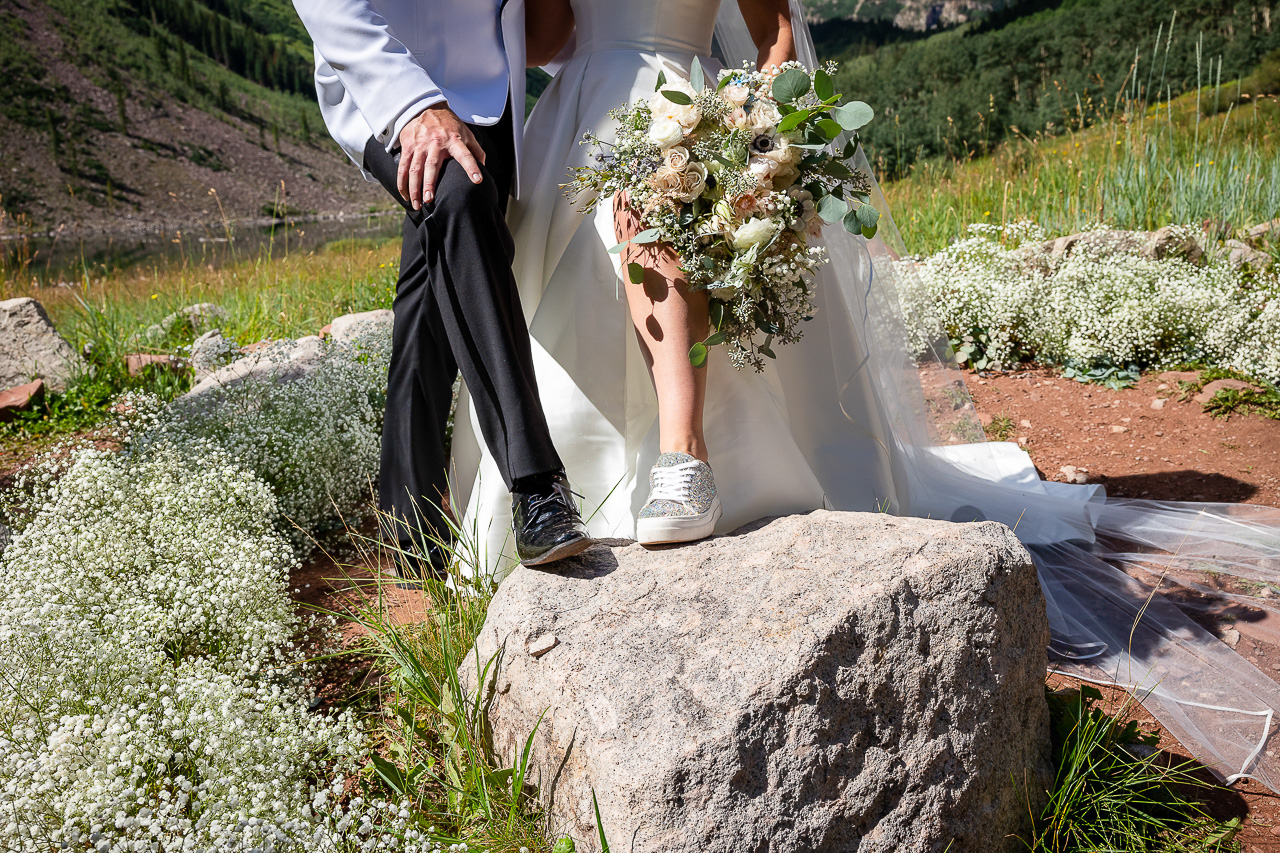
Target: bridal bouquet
{"points": [[738, 179]]}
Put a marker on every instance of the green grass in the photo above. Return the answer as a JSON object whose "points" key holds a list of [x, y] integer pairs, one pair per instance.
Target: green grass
{"points": [[1204, 156], [1114, 791], [437, 749], [272, 296]]}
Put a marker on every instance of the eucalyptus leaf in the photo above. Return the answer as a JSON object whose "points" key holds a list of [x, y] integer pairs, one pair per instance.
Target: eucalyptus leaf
{"points": [[853, 115], [618, 248], [868, 216], [696, 78], [790, 85], [832, 209], [851, 223], [698, 354], [662, 80], [823, 86], [850, 149], [649, 235], [837, 169], [635, 273], [869, 233], [791, 122], [715, 339], [728, 78], [677, 97], [830, 128], [716, 310]]}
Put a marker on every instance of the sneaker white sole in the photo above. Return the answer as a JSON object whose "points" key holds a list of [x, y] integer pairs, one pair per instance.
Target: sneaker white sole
{"points": [[691, 528]]}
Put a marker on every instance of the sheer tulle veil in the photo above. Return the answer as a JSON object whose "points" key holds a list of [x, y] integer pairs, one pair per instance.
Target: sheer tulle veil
{"points": [[1107, 566]]}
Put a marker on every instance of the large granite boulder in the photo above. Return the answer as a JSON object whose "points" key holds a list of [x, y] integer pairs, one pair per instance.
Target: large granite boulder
{"points": [[826, 682], [31, 348]]}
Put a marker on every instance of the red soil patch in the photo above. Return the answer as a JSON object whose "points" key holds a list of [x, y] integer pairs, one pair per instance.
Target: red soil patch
{"points": [[1175, 453]]}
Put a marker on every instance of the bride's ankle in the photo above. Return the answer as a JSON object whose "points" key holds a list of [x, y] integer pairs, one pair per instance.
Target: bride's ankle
{"points": [[692, 447]]}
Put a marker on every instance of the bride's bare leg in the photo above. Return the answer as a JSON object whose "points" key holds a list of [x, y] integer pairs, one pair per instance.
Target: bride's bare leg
{"points": [[669, 319]]}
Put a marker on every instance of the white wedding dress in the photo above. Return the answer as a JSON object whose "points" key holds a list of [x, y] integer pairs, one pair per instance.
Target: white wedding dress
{"points": [[846, 418]]}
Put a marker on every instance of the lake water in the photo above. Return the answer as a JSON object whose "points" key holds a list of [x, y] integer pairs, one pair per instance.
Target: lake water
{"points": [[66, 255]]}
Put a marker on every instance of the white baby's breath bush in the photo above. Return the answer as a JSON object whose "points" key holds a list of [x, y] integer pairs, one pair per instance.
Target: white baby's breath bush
{"points": [[1100, 302], [314, 439], [153, 692]]}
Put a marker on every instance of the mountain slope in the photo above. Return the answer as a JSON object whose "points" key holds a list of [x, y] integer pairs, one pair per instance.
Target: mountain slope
{"points": [[960, 92]]}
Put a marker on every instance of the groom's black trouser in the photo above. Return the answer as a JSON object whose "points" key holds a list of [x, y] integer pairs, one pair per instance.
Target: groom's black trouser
{"points": [[457, 308]]}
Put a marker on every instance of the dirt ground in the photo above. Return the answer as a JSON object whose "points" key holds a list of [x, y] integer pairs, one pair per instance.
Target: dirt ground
{"points": [[1174, 452]]}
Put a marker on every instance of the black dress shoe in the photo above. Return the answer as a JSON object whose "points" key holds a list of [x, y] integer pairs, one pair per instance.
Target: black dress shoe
{"points": [[414, 565], [546, 522]]}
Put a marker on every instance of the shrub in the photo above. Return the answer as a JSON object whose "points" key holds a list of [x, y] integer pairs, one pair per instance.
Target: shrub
{"points": [[999, 295], [314, 440]]}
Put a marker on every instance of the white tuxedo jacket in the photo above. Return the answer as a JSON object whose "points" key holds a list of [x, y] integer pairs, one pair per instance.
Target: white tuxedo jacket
{"points": [[381, 62]]}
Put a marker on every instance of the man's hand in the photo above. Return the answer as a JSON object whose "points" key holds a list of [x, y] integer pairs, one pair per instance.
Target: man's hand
{"points": [[425, 144]]}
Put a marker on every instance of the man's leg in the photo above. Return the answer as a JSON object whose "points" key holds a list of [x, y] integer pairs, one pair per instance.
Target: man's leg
{"points": [[469, 251], [413, 480]]}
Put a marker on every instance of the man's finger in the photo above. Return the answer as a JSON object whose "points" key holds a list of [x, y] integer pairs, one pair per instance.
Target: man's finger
{"points": [[429, 174], [414, 180], [462, 153], [477, 150], [402, 173]]}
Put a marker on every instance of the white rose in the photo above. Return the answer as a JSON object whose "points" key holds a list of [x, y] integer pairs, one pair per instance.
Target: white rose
{"points": [[665, 132], [762, 168], [685, 115], [764, 116], [754, 232], [735, 94], [678, 157], [692, 183]]}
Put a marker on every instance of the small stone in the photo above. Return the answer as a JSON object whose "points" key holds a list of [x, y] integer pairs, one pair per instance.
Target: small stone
{"points": [[1158, 403], [348, 327], [1069, 471], [1208, 392], [1119, 429], [1231, 637], [16, 399], [984, 418], [539, 646], [1265, 592], [326, 330], [1163, 386], [1025, 424], [1275, 830], [138, 362], [1022, 440]]}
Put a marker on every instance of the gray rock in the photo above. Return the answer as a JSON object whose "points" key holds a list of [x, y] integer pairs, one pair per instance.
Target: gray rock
{"points": [[201, 317], [1267, 232], [210, 352], [826, 682], [1098, 243], [349, 326], [281, 361], [1240, 255], [1174, 242], [31, 348]]}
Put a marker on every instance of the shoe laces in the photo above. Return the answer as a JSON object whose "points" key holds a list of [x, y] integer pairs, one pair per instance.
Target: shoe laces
{"points": [[672, 482], [560, 496]]}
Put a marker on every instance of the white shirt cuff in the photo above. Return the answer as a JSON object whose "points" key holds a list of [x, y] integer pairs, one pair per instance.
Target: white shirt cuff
{"points": [[410, 113]]}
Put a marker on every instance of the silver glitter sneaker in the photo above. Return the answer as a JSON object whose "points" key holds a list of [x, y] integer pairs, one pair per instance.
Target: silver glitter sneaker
{"points": [[683, 505]]}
